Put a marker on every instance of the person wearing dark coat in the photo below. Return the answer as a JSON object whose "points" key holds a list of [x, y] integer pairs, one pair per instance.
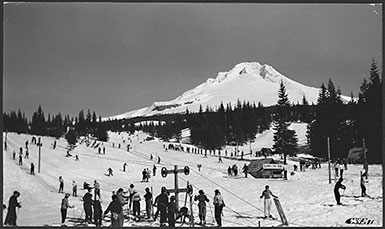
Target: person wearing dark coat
{"points": [[98, 212], [148, 198], [20, 160], [245, 169], [162, 205], [172, 210], [32, 169], [87, 204], [11, 217], [336, 191], [116, 212]]}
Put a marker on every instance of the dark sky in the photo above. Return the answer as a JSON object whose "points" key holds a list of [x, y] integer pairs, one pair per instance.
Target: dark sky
{"points": [[117, 57]]}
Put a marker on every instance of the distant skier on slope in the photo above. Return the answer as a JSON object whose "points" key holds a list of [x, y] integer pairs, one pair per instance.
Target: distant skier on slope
{"points": [[61, 184], [336, 191], [110, 171]]}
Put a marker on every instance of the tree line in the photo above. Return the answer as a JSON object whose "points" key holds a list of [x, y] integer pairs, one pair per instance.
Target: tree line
{"points": [[346, 124]]}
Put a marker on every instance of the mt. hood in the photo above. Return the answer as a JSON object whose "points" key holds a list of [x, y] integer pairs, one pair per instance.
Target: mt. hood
{"points": [[249, 81]]}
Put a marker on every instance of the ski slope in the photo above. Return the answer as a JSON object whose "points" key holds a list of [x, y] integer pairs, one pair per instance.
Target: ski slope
{"points": [[304, 196]]}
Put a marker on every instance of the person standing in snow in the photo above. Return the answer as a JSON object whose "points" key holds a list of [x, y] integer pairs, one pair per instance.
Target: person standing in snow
{"points": [[144, 175], [131, 191], [154, 170], [245, 169], [148, 198], [337, 194], [32, 169], [362, 185], [14, 155], [98, 212], [74, 188], [64, 206], [61, 184], [172, 210], [87, 204], [104, 150], [202, 199], [229, 171], [158, 160], [97, 189], [26, 153], [11, 217], [218, 207], [124, 167], [117, 218], [267, 201], [136, 204], [162, 202], [20, 160]]}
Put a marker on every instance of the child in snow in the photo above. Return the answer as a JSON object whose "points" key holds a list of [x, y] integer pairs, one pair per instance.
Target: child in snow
{"points": [[267, 201]]}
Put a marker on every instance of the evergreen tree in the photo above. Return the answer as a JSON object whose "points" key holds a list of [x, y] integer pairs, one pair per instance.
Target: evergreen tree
{"points": [[285, 140]]}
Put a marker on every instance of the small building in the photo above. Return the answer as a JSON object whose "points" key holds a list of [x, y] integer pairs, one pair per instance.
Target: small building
{"points": [[265, 168]]}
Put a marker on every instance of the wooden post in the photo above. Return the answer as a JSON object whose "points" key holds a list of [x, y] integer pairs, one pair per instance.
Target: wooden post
{"points": [[191, 216], [176, 186], [39, 144], [366, 166], [328, 143]]}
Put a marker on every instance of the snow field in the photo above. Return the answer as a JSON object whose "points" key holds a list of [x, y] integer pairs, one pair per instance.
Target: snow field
{"points": [[302, 196]]}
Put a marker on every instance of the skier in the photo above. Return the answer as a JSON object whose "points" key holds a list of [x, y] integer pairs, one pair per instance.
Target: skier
{"points": [[104, 150], [267, 201], [74, 188], [136, 204], [151, 157], [172, 210], [218, 207], [362, 184], [116, 210], [124, 167], [229, 171], [97, 189], [202, 199], [64, 206], [32, 169], [148, 198], [11, 217], [205, 153], [245, 169], [77, 158], [87, 204], [26, 153], [158, 160], [98, 212], [99, 150], [162, 201], [154, 170], [54, 144], [220, 159], [26, 144], [131, 191], [235, 170], [61, 184], [14, 155], [20, 160], [199, 167], [144, 176], [110, 171], [336, 191]]}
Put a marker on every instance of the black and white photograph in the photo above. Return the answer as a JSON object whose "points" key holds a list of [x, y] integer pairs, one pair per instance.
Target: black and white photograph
{"points": [[192, 114]]}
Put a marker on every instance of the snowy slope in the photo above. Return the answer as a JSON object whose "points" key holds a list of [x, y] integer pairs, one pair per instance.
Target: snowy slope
{"points": [[302, 196], [249, 81]]}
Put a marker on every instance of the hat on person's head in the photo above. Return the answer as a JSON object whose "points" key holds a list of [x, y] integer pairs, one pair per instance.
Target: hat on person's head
{"points": [[201, 192], [67, 194], [172, 198], [120, 190], [131, 185], [216, 191], [16, 193], [267, 186], [147, 189]]}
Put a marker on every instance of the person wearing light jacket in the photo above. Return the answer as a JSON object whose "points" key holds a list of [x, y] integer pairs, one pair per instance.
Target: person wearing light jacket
{"points": [[64, 206], [218, 207]]}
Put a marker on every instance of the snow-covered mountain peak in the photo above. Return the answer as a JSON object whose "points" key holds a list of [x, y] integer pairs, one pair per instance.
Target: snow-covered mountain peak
{"points": [[246, 81]]}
